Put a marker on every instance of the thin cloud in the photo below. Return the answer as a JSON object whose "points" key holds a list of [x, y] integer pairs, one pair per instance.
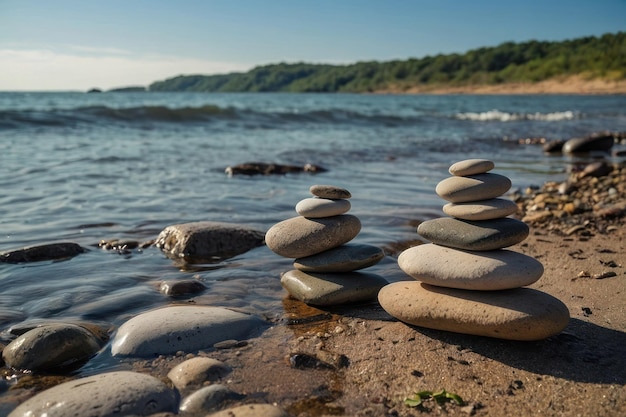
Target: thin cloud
{"points": [[42, 69]]}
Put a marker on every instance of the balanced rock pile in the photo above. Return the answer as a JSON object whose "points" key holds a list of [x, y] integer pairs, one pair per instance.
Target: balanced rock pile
{"points": [[324, 260], [469, 283]]}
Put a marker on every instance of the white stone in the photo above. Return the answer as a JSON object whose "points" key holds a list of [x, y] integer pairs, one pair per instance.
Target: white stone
{"points": [[109, 394], [485, 270], [518, 314], [471, 167], [186, 328], [494, 208], [322, 207]]}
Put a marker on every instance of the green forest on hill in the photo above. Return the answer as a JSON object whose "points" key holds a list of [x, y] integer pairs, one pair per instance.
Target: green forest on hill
{"points": [[533, 61]]}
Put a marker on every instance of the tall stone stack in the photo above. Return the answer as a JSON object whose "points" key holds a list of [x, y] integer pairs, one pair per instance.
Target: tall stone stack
{"points": [[466, 281], [325, 262]]}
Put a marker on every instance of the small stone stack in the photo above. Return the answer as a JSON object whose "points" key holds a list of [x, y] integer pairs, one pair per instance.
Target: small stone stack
{"points": [[469, 282], [325, 263]]}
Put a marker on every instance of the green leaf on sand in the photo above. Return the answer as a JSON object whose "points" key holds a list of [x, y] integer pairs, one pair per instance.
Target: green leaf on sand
{"points": [[440, 397]]}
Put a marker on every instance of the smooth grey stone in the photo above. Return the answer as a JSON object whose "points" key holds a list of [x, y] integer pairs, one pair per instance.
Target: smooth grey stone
{"points": [[493, 208], [332, 289], [48, 252], [471, 167], [474, 235], [51, 346], [517, 314], [322, 207], [329, 191], [344, 258], [104, 395], [485, 271], [252, 410], [599, 142], [473, 187], [208, 399], [186, 328], [183, 287], [196, 371], [299, 237], [200, 242]]}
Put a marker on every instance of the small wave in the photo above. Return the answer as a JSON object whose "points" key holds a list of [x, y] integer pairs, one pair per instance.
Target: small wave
{"points": [[500, 116]]}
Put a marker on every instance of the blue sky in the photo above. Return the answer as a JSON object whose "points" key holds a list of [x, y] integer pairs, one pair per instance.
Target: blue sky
{"points": [[80, 44]]}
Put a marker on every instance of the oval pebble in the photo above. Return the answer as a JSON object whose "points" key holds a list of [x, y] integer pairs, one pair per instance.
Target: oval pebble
{"points": [[517, 314], [252, 410], [332, 289], [471, 167], [473, 188], [484, 271], [180, 328], [51, 346], [344, 258], [121, 393], [493, 208], [483, 235], [322, 207], [208, 399], [329, 191], [299, 237], [196, 371]]}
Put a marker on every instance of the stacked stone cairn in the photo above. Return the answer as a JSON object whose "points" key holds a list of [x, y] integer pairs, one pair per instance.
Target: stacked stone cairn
{"points": [[466, 281], [325, 262]]}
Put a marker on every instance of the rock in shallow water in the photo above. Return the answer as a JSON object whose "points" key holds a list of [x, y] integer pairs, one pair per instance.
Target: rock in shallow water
{"points": [[49, 252], [474, 235], [299, 237], [487, 270], [473, 188], [51, 346], [494, 208], [332, 289], [344, 258], [104, 395], [322, 207], [207, 241], [518, 314], [186, 328]]}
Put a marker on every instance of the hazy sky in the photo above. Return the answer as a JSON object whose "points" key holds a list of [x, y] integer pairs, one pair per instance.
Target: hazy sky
{"points": [[80, 44]]}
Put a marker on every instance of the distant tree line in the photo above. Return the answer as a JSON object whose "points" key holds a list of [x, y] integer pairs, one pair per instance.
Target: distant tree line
{"points": [[590, 57]]}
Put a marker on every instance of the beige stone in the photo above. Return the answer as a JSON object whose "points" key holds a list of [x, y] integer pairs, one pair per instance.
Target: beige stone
{"points": [[473, 188], [471, 167], [322, 207], [493, 208]]}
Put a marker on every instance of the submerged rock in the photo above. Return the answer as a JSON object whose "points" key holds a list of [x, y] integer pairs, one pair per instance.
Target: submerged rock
{"points": [[252, 410], [262, 168], [48, 252], [199, 242]]}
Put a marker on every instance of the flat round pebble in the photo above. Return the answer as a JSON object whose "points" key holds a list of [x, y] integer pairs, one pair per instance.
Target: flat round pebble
{"points": [[252, 410], [332, 289], [471, 167], [109, 394], [51, 346], [344, 258], [299, 237], [329, 191], [197, 370], [473, 188], [484, 271], [517, 314], [494, 208], [208, 399], [483, 235], [322, 207], [180, 328]]}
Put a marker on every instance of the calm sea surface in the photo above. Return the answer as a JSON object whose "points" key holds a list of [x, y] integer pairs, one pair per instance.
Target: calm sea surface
{"points": [[86, 167]]}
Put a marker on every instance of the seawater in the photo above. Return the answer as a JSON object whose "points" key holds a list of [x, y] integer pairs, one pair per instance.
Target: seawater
{"points": [[87, 167]]}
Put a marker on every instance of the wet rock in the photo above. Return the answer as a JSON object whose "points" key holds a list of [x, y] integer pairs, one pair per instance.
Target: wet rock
{"points": [[299, 237], [596, 142], [262, 168], [197, 370], [49, 252], [181, 328], [207, 241], [516, 314], [52, 346], [208, 399], [182, 287], [103, 395]]}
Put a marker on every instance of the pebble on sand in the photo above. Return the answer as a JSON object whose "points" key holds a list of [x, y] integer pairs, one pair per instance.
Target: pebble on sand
{"points": [[517, 314]]}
